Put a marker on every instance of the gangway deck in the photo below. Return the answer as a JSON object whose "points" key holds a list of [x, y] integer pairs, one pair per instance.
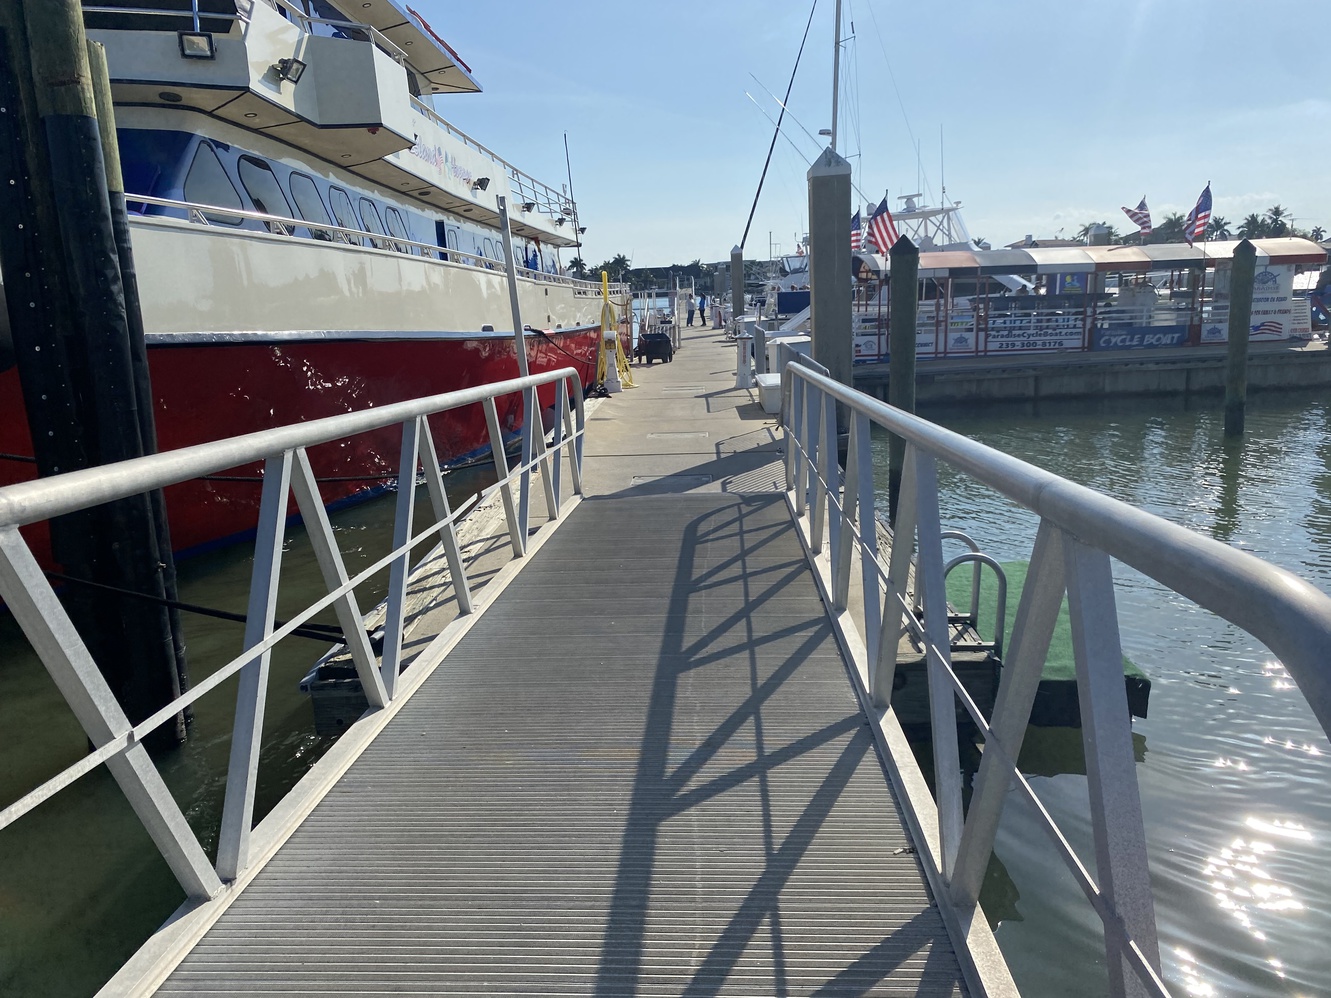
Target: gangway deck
{"points": [[643, 771]]}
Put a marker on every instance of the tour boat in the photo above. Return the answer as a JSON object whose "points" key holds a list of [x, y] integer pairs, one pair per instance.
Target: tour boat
{"points": [[312, 237]]}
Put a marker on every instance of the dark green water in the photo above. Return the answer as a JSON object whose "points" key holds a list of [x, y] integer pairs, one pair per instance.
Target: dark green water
{"points": [[81, 884], [1233, 767]]}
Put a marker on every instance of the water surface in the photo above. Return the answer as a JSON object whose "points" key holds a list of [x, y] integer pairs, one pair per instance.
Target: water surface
{"points": [[1233, 767]]}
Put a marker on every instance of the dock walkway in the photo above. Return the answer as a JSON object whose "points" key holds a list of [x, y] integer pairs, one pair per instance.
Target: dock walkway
{"points": [[642, 771]]}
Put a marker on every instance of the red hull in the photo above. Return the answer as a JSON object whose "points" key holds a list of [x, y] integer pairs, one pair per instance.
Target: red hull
{"points": [[209, 392]]}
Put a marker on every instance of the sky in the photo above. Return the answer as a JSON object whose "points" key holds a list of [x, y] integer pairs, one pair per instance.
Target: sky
{"points": [[1052, 113]]}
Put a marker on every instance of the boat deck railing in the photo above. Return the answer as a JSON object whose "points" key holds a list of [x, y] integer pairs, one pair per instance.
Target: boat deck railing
{"points": [[282, 225], [526, 188], [1079, 532], [118, 743]]}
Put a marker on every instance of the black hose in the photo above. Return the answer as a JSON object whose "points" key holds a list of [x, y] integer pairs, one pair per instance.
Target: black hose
{"points": [[314, 632]]}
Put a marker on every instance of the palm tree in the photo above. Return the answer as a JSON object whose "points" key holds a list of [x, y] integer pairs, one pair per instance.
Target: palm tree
{"points": [[1171, 229], [1253, 227], [1276, 220], [1218, 228], [1317, 234], [577, 267]]}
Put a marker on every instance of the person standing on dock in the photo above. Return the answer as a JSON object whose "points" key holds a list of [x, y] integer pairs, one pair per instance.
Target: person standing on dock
{"points": [[692, 305], [702, 309]]}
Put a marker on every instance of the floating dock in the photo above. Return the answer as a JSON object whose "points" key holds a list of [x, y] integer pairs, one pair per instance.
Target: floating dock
{"points": [[1176, 371]]}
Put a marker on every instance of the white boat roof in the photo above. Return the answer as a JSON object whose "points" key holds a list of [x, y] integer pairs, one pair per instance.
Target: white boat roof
{"points": [[440, 70]]}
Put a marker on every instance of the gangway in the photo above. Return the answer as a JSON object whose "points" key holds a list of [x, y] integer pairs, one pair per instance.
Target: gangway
{"points": [[655, 753]]}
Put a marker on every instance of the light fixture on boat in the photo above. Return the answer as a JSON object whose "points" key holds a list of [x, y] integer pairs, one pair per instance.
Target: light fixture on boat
{"points": [[560, 220], [528, 205], [289, 69], [196, 45], [480, 183], [582, 231]]}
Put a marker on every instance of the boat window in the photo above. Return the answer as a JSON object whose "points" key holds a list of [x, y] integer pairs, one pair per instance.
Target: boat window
{"points": [[451, 235], [370, 216], [397, 227], [207, 183], [264, 190], [309, 203], [340, 201]]}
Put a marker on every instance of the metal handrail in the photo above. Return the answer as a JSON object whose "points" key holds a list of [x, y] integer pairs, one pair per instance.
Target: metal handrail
{"points": [[1080, 530], [198, 213], [118, 743]]}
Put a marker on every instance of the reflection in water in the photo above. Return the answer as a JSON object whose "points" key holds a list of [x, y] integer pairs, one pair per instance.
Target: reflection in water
{"points": [[1234, 786], [1227, 512]]}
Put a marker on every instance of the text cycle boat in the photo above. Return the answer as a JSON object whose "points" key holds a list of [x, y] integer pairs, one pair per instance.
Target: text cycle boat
{"points": [[311, 237]]}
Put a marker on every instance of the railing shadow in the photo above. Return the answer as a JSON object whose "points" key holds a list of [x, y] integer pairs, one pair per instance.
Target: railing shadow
{"points": [[687, 761]]}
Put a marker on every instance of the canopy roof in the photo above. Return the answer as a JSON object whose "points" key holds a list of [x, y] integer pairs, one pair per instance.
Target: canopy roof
{"points": [[439, 69], [1107, 259]]}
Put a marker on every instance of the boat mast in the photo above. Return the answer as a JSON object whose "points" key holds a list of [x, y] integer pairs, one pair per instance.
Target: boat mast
{"points": [[836, 68]]}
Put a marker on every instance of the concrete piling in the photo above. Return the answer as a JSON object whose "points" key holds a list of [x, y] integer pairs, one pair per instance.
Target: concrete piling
{"points": [[829, 266]]}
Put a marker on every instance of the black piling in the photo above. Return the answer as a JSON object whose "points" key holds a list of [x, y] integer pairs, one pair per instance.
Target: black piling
{"points": [[80, 353], [1240, 319], [905, 306]]}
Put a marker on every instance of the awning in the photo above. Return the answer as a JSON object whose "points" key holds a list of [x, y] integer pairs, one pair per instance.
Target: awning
{"points": [[876, 262], [439, 69]]}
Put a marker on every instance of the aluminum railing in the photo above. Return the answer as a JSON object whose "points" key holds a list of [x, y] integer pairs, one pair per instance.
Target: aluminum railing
{"points": [[118, 743], [284, 225], [1079, 532]]}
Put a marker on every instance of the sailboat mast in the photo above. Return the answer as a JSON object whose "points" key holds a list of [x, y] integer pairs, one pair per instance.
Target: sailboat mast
{"points": [[836, 68]]}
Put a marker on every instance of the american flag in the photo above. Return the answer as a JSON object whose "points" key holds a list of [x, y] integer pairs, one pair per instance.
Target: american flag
{"points": [[1198, 217], [856, 236], [882, 230], [1141, 217]]}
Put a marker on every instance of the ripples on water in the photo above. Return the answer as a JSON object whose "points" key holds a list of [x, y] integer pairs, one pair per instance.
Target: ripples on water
{"points": [[1235, 770]]}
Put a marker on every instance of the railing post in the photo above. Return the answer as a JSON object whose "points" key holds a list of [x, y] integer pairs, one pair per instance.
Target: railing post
{"points": [[814, 459], [517, 535], [39, 613], [895, 606], [528, 453], [1032, 630], [395, 615], [542, 456], [334, 572], [795, 443], [938, 659], [1111, 776], [434, 485], [831, 475], [860, 453], [233, 843], [575, 422], [851, 513], [557, 441]]}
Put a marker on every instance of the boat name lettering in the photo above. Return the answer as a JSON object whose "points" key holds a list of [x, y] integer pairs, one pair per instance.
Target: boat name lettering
{"points": [[440, 159]]}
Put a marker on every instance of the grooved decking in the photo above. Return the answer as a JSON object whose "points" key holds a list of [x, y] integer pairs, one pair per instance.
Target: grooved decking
{"points": [[642, 772]]}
